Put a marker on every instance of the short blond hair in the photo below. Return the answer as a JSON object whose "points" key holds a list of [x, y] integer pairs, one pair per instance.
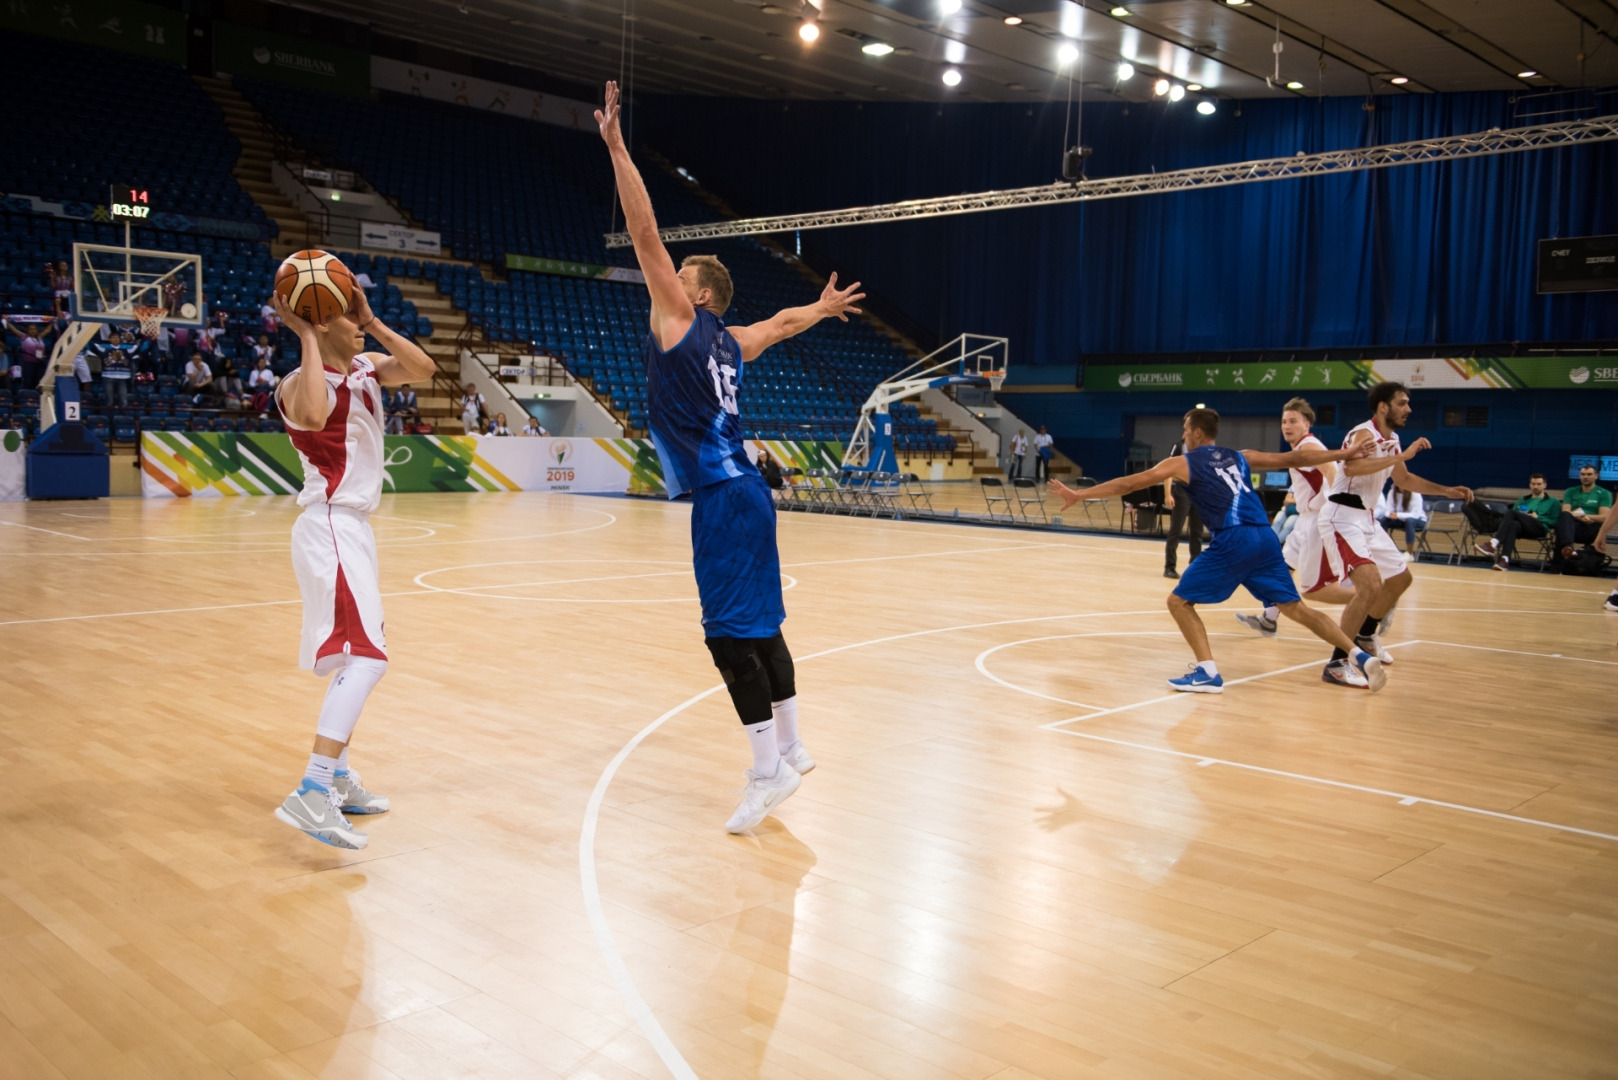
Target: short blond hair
{"points": [[1302, 408], [712, 275]]}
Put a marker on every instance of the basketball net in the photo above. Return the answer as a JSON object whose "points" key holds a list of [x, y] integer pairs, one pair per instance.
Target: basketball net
{"points": [[151, 320], [996, 378]]}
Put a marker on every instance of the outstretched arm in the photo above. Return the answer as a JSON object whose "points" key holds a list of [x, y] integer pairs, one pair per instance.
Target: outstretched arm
{"points": [[1163, 472], [789, 322], [1306, 457], [1409, 481], [672, 312]]}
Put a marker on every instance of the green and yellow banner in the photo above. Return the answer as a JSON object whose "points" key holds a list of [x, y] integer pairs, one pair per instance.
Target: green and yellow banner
{"points": [[307, 62], [1450, 373], [126, 25]]}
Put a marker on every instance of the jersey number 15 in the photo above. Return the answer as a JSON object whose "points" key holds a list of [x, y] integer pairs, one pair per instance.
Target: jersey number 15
{"points": [[724, 384]]}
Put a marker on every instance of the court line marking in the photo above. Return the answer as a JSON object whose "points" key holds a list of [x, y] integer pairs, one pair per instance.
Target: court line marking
{"points": [[53, 532]]}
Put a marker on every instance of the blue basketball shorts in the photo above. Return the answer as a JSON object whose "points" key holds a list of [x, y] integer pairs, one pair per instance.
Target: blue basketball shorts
{"points": [[734, 554], [1241, 555]]}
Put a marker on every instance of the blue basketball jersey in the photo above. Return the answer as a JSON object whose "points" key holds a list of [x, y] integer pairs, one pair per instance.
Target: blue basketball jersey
{"points": [[691, 399], [1222, 489]]}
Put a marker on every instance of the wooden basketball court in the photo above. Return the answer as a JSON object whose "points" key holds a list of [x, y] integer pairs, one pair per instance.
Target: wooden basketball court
{"points": [[1020, 857]]}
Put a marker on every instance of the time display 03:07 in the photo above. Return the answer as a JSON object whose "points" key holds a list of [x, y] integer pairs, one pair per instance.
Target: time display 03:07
{"points": [[130, 203]]}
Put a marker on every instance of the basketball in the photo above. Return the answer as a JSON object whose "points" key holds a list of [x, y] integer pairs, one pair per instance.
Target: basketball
{"points": [[315, 284]]}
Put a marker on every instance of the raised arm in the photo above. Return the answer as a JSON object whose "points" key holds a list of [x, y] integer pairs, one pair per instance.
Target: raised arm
{"points": [[672, 313], [306, 400], [1306, 457], [1169, 469], [404, 362], [789, 322]]}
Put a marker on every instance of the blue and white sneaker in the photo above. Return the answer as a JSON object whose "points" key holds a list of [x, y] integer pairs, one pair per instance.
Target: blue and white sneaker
{"points": [[318, 811], [353, 798], [1371, 668], [1343, 673], [1197, 681]]}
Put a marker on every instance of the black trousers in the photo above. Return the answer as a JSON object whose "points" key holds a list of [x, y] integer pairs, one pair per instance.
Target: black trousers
{"points": [[1183, 509], [1042, 467], [1570, 531], [1515, 523], [1016, 466]]}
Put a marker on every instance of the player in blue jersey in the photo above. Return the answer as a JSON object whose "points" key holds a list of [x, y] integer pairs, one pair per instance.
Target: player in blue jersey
{"points": [[693, 370], [1244, 550]]}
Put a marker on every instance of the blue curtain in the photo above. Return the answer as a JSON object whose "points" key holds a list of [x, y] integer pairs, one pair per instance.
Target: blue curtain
{"points": [[1413, 255]]}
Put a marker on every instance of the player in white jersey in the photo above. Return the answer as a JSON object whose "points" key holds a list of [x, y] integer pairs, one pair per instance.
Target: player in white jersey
{"points": [[332, 406], [1353, 547], [1309, 490]]}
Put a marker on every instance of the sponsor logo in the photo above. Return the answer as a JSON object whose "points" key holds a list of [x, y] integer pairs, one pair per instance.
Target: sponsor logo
{"points": [[261, 54], [1151, 378], [561, 450], [1606, 374], [296, 61], [1125, 379], [1579, 375]]}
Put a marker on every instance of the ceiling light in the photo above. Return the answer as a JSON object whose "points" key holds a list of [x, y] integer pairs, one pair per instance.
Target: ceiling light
{"points": [[954, 52], [1066, 53], [1160, 87], [951, 77], [1126, 71], [1399, 80], [809, 31], [876, 48], [1526, 74], [1235, 3], [1193, 87], [949, 7], [1119, 12], [1294, 85], [765, 56], [1013, 20], [1176, 92], [1206, 108]]}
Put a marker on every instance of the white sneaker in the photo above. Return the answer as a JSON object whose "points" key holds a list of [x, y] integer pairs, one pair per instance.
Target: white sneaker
{"points": [[761, 795], [353, 798], [1386, 622], [1373, 645], [796, 756], [1612, 602], [318, 812]]}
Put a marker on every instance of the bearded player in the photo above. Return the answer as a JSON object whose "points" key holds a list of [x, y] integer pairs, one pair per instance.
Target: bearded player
{"points": [[332, 406], [693, 369]]}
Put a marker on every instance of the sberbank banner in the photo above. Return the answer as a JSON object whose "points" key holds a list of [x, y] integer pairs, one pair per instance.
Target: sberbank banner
{"points": [[313, 65], [536, 265], [1449, 373], [111, 24]]}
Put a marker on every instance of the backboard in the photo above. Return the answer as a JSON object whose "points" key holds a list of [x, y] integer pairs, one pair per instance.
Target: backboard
{"points": [[110, 282]]}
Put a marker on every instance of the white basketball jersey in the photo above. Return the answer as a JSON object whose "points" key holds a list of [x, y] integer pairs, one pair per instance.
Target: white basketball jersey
{"points": [[1309, 485], [342, 462], [1369, 486]]}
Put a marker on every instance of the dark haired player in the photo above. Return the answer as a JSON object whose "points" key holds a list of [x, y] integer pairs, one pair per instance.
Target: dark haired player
{"points": [[1243, 551], [693, 369]]}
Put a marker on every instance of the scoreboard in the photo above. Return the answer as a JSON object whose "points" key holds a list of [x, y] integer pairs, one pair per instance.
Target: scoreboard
{"points": [[130, 203]]}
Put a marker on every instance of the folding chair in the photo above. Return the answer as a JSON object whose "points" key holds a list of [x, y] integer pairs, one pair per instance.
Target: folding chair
{"points": [[994, 493], [1029, 494], [883, 494], [1444, 519], [1086, 503], [920, 501]]}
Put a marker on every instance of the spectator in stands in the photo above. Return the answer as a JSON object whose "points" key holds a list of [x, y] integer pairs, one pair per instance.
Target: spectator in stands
{"points": [[533, 427], [1400, 509], [227, 380], [1044, 450], [31, 351], [269, 320], [471, 408], [117, 366], [1532, 517], [1177, 501], [499, 426], [264, 350], [262, 376], [770, 470], [402, 410], [198, 378], [1582, 509], [1019, 451], [61, 281], [181, 348], [483, 426]]}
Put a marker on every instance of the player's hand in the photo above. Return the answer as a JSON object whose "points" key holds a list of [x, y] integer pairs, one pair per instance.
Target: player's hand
{"points": [[1168, 502], [840, 302], [289, 318], [1600, 543], [359, 308], [1361, 449], [1460, 493], [1415, 448], [1063, 492], [607, 117]]}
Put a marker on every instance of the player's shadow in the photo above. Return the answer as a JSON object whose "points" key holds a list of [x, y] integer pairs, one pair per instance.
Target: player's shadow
{"points": [[764, 936], [1069, 811]]}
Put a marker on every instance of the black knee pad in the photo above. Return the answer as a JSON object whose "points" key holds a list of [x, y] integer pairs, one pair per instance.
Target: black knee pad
{"points": [[777, 661], [749, 685]]}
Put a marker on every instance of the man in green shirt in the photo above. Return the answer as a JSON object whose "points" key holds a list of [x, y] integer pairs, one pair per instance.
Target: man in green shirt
{"points": [[1582, 508], [1532, 518]]}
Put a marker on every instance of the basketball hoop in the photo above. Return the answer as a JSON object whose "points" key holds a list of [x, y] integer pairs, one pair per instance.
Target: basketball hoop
{"points": [[151, 320], [996, 378]]}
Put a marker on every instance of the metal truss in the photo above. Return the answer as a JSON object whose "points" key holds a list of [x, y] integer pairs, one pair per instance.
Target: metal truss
{"points": [[1451, 148]]}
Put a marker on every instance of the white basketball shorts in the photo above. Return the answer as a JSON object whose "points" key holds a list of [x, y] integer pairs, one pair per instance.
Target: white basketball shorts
{"points": [[334, 558], [1351, 538], [1302, 551]]}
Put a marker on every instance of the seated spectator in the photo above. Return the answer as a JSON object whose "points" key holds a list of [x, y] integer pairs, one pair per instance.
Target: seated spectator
{"points": [[198, 378], [402, 410], [499, 426], [533, 427], [1400, 509], [269, 320], [471, 408], [1533, 517], [482, 428], [1286, 518], [264, 350], [227, 381], [770, 470], [262, 376], [1582, 509]]}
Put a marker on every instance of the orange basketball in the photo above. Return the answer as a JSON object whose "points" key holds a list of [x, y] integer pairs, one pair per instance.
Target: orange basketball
{"points": [[316, 285]]}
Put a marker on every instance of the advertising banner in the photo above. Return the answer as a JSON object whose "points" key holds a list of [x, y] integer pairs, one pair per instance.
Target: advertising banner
{"points": [[178, 464], [1452, 373], [382, 236], [537, 265], [305, 62], [126, 25], [405, 78], [13, 466]]}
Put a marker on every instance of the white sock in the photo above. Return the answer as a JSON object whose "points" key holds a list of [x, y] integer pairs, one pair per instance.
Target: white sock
{"points": [[1208, 667], [766, 754], [345, 697], [342, 760], [786, 721], [320, 770], [1272, 612]]}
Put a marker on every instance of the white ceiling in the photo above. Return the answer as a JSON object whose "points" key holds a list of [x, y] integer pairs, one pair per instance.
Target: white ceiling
{"points": [[749, 48]]}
